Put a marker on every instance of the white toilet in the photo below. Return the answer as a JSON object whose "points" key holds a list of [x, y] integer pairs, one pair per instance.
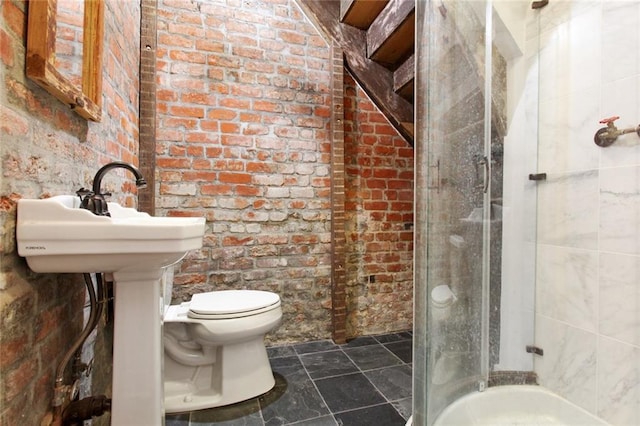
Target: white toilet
{"points": [[214, 348]]}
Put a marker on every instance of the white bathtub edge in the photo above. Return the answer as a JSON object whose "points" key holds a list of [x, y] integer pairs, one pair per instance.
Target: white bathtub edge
{"points": [[504, 404]]}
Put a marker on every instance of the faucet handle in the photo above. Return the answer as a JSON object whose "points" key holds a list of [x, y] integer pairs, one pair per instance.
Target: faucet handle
{"points": [[610, 120], [96, 204], [83, 192]]}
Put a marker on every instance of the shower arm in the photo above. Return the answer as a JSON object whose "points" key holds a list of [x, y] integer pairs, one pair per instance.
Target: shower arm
{"points": [[606, 136]]}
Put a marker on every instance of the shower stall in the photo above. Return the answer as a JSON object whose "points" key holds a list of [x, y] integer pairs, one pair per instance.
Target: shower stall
{"points": [[527, 233]]}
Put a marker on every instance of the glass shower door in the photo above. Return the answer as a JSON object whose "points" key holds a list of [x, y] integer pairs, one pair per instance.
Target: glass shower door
{"points": [[458, 149]]}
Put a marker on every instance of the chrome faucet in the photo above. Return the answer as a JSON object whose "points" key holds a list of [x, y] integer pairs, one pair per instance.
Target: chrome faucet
{"points": [[94, 200]]}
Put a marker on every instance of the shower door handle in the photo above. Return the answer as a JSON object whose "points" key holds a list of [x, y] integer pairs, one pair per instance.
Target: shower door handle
{"points": [[487, 173]]}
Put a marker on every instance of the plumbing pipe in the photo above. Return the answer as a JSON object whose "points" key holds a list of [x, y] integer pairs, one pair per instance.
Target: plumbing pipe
{"points": [[79, 411], [64, 392], [606, 136]]}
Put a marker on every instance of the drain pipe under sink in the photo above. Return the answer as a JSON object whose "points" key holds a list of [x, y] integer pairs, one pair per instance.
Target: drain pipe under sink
{"points": [[63, 394]]}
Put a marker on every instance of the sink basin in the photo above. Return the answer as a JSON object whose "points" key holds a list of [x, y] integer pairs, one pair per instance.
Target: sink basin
{"points": [[56, 235]]}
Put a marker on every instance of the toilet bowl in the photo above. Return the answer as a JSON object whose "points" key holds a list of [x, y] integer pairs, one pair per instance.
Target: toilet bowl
{"points": [[214, 348]]}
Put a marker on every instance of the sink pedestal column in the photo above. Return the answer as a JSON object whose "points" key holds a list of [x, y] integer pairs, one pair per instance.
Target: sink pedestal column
{"points": [[138, 391]]}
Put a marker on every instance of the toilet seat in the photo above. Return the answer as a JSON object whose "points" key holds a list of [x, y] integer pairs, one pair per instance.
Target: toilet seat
{"points": [[227, 304]]}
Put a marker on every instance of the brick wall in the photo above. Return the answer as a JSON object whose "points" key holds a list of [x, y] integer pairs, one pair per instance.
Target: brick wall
{"points": [[45, 150], [243, 127], [244, 106], [243, 138], [379, 219]]}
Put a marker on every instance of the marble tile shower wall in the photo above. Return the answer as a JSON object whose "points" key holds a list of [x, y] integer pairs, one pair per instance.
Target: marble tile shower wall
{"points": [[588, 252]]}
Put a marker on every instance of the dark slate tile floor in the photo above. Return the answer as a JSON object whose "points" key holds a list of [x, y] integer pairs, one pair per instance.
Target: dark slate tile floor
{"points": [[364, 382]]}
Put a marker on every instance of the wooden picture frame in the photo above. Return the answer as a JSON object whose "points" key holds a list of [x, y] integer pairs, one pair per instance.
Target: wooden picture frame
{"points": [[41, 56]]}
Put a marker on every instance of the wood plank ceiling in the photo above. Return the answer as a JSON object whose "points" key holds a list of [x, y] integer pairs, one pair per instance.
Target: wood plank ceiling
{"points": [[378, 41]]}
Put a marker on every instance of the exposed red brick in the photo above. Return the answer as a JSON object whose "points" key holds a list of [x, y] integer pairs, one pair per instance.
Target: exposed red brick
{"points": [[6, 49], [247, 191], [221, 114], [266, 110], [236, 241], [213, 189], [382, 189], [15, 18], [183, 111], [235, 103], [227, 127], [268, 106], [173, 163], [228, 177]]}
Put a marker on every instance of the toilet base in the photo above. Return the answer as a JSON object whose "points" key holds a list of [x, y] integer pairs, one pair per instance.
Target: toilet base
{"points": [[241, 371]]}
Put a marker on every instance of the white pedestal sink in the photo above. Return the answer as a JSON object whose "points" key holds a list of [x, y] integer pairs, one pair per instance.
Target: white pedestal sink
{"points": [[55, 235]]}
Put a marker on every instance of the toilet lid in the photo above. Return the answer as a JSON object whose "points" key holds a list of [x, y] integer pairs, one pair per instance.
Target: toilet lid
{"points": [[231, 303]]}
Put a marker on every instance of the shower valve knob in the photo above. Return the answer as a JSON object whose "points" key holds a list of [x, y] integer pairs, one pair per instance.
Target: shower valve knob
{"points": [[609, 120]]}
